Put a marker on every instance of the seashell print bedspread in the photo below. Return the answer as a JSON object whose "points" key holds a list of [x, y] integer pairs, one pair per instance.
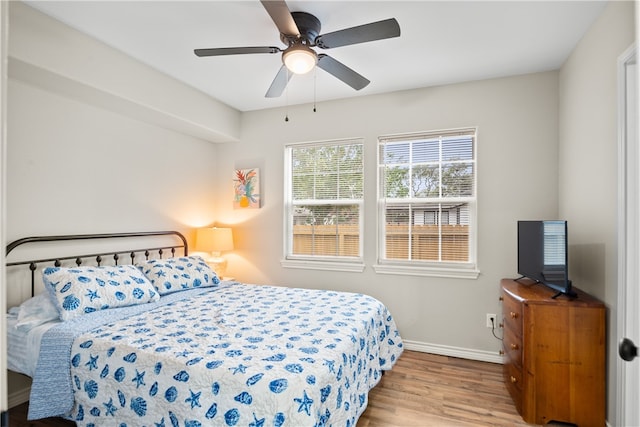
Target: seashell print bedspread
{"points": [[238, 355]]}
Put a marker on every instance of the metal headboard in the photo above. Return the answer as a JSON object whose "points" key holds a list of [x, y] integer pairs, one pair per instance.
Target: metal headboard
{"points": [[98, 257]]}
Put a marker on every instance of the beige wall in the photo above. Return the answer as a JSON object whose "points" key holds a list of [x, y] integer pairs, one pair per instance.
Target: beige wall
{"points": [[76, 168], [588, 163]]}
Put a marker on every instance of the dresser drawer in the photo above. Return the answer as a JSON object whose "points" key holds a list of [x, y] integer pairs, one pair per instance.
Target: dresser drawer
{"points": [[512, 314], [513, 382], [512, 347]]}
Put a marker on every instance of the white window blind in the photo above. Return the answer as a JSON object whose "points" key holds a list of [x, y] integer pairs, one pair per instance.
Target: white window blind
{"points": [[427, 198], [554, 243], [324, 200]]}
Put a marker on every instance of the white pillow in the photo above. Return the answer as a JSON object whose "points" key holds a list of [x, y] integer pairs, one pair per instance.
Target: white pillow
{"points": [[36, 311], [80, 290], [177, 274]]}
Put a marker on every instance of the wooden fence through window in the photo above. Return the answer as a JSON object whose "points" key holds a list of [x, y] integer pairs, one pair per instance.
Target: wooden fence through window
{"points": [[343, 240]]}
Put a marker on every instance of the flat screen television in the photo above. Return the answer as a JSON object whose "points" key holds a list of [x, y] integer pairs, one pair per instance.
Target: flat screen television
{"points": [[543, 254]]}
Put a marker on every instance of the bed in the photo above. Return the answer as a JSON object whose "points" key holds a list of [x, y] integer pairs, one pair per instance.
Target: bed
{"points": [[157, 339]]}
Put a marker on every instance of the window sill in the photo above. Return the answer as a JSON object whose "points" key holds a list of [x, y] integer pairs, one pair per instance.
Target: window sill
{"points": [[353, 267], [408, 270]]}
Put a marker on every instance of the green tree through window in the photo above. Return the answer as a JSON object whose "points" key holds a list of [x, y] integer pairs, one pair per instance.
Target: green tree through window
{"points": [[324, 200], [427, 197]]}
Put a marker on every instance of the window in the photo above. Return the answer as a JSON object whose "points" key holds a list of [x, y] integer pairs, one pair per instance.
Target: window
{"points": [[427, 203], [324, 204]]}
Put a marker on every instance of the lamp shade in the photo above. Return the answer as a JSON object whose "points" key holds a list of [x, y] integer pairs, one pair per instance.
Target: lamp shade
{"points": [[214, 239]]}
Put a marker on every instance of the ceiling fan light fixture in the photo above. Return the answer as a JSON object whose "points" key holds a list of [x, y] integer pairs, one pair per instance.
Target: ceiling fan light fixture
{"points": [[299, 59]]}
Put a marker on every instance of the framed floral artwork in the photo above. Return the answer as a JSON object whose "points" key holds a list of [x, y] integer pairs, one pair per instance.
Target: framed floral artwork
{"points": [[246, 189]]}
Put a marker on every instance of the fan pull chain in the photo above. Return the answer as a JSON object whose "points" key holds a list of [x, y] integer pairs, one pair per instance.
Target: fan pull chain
{"points": [[315, 80], [286, 95]]}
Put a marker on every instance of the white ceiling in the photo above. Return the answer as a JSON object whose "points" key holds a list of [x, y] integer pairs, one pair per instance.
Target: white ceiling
{"points": [[441, 42]]}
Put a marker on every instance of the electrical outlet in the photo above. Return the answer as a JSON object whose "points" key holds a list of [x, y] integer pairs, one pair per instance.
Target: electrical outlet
{"points": [[491, 320]]}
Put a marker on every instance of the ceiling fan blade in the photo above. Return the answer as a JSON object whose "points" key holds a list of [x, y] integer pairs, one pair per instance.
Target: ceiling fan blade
{"points": [[342, 72], [281, 16], [235, 50], [279, 83], [385, 29]]}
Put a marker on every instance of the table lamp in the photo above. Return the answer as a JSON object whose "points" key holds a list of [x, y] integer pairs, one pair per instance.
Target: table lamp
{"points": [[215, 240]]}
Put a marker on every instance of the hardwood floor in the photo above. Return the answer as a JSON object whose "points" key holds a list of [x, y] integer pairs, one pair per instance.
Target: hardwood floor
{"points": [[422, 390], [430, 390]]}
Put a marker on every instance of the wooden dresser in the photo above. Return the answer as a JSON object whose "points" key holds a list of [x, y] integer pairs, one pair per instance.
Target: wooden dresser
{"points": [[554, 354]]}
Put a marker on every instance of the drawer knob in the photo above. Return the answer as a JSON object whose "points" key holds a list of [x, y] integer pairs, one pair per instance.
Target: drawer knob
{"points": [[513, 315], [514, 346], [513, 379], [501, 299], [501, 353]]}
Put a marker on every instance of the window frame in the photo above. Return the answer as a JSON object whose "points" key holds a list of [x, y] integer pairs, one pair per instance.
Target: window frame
{"points": [[320, 262], [449, 269]]}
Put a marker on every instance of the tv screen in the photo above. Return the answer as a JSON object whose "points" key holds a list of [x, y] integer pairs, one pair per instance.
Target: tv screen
{"points": [[543, 254]]}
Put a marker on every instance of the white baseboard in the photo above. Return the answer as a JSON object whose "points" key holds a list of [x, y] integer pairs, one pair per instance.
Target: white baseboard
{"points": [[18, 397], [445, 350]]}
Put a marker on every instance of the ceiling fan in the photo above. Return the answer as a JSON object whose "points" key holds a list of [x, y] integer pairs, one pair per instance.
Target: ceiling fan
{"points": [[300, 31]]}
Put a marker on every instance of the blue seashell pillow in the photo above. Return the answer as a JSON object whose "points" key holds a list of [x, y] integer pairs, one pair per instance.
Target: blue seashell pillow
{"points": [[177, 274], [81, 290]]}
